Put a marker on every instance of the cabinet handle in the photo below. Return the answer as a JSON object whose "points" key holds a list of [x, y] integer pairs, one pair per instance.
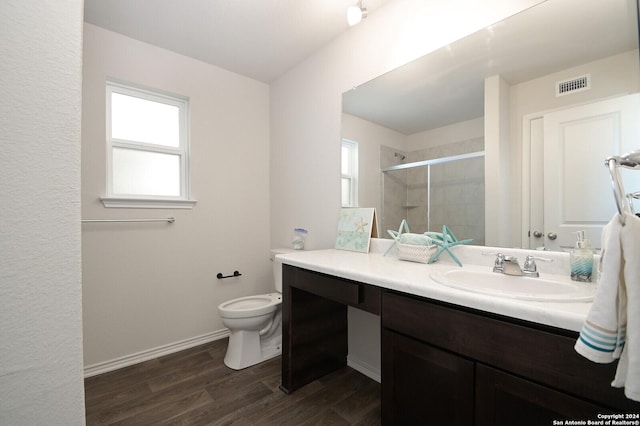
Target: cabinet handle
{"points": [[552, 235]]}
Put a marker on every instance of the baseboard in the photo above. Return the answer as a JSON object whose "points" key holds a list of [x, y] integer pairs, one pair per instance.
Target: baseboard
{"points": [[127, 360], [367, 369]]}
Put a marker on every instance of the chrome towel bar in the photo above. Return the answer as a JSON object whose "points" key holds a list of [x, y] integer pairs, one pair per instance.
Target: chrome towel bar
{"points": [[630, 161], [168, 219]]}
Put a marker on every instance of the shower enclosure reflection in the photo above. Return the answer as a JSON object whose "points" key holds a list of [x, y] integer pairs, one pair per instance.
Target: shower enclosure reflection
{"points": [[435, 187]]}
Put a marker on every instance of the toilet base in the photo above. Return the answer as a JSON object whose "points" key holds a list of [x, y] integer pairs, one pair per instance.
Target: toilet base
{"points": [[246, 348]]}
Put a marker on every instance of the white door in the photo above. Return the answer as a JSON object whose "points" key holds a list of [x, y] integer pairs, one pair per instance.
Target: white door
{"points": [[577, 185]]}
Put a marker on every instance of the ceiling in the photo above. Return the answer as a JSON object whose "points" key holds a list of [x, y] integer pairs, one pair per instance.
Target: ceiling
{"points": [[261, 39], [447, 86]]}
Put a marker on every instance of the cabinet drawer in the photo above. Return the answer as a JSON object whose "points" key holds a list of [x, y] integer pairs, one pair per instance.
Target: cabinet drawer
{"points": [[359, 295], [537, 354]]}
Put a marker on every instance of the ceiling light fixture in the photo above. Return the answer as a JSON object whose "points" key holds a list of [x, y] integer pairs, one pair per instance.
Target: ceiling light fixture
{"points": [[355, 14]]}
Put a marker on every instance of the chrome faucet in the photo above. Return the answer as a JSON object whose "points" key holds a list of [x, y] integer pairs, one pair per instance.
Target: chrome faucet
{"points": [[509, 265], [505, 264]]}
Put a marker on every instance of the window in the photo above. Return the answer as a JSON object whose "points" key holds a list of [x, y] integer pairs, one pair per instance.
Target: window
{"points": [[147, 148], [349, 173]]}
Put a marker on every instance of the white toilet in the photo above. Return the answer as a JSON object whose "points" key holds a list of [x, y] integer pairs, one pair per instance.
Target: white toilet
{"points": [[255, 323]]}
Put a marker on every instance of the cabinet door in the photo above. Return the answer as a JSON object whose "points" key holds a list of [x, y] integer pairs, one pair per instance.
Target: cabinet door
{"points": [[423, 384], [503, 399]]}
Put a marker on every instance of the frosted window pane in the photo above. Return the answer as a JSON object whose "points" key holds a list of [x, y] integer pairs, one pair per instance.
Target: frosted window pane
{"points": [[145, 173], [346, 160], [346, 192], [142, 120]]}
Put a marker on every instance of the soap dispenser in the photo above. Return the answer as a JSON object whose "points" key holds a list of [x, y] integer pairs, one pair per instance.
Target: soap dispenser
{"points": [[581, 259]]}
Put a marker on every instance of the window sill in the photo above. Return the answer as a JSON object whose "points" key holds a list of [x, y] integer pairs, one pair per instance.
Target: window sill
{"points": [[146, 203]]}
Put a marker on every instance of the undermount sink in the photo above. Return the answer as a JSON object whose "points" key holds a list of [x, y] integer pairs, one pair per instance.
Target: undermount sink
{"points": [[551, 288]]}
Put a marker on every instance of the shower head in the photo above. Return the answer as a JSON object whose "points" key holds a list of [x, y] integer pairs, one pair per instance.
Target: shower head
{"points": [[402, 156]]}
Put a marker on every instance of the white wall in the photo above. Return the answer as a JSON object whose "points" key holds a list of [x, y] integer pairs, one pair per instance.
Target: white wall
{"points": [[40, 288], [615, 75], [462, 131], [498, 194], [306, 107], [150, 285]]}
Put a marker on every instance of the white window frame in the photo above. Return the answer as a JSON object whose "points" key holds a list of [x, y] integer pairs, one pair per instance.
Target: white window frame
{"points": [[149, 201], [352, 175]]}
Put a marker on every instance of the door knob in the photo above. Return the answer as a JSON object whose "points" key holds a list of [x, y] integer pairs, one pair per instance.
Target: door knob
{"points": [[537, 234], [552, 235]]}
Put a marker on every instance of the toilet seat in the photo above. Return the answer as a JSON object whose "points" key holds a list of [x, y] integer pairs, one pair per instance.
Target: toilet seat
{"points": [[250, 306], [254, 323]]}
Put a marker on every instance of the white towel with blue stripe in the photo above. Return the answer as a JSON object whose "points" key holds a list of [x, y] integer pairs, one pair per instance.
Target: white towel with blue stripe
{"points": [[628, 372], [603, 333]]}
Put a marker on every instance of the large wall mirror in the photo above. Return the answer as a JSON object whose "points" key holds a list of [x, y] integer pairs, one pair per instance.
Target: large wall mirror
{"points": [[464, 136]]}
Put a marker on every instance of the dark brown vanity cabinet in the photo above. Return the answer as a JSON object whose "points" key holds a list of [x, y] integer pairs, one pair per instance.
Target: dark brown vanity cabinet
{"points": [[444, 364], [459, 367]]}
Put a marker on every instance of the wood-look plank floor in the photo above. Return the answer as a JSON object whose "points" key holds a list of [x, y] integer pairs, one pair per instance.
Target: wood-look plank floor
{"points": [[194, 387]]}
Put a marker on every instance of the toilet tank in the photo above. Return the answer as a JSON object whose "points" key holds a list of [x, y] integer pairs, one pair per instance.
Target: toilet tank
{"points": [[277, 267]]}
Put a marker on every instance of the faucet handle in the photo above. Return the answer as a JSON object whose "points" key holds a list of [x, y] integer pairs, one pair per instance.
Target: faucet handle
{"points": [[532, 258], [530, 268], [498, 265]]}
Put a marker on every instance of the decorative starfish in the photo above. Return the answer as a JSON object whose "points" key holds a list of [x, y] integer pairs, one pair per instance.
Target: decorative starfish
{"points": [[396, 234], [445, 241], [360, 225]]}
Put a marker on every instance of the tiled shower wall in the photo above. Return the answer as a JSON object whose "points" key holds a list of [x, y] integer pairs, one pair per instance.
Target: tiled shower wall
{"points": [[456, 192], [394, 190]]}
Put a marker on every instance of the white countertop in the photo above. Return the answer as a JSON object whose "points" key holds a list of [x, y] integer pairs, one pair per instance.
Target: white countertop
{"points": [[414, 278]]}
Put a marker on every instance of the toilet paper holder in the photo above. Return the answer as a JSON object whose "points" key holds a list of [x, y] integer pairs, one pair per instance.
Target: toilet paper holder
{"points": [[235, 274]]}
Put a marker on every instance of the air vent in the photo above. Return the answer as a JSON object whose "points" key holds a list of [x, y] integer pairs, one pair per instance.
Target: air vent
{"points": [[577, 84]]}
